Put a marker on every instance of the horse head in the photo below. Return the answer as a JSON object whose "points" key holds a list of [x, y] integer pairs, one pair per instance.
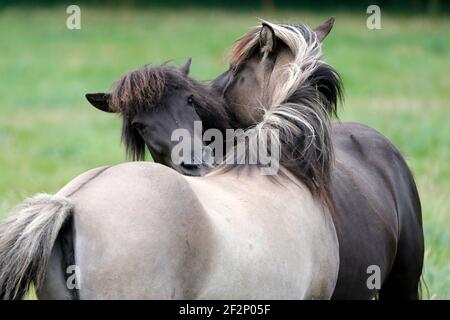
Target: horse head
{"points": [[155, 102]]}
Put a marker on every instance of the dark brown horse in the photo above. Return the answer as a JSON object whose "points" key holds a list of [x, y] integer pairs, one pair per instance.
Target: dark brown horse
{"points": [[378, 212], [377, 209], [145, 122]]}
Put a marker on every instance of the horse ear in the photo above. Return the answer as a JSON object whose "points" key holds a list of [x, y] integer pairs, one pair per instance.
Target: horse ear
{"points": [[99, 100], [323, 30], [267, 38], [221, 83], [186, 67]]}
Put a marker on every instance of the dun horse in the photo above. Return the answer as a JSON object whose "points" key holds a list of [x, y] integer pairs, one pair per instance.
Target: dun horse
{"points": [[377, 210], [143, 230]]}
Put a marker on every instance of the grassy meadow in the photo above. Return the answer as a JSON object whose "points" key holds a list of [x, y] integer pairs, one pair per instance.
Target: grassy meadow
{"points": [[396, 79]]}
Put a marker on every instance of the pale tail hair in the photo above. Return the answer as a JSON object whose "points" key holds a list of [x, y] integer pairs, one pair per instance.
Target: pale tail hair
{"points": [[26, 241]]}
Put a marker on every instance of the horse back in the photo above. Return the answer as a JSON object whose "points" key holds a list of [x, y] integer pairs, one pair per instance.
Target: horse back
{"points": [[137, 230]]}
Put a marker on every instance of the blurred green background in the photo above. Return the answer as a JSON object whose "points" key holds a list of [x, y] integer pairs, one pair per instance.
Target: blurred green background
{"points": [[396, 80]]}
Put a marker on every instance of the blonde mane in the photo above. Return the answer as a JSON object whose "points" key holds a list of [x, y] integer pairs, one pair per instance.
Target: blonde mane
{"points": [[304, 95]]}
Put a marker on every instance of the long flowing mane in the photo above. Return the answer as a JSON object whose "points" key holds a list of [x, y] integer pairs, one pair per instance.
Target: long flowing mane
{"points": [[306, 92], [146, 88]]}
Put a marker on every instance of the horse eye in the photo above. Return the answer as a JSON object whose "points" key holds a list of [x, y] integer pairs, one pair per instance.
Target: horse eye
{"points": [[190, 100]]}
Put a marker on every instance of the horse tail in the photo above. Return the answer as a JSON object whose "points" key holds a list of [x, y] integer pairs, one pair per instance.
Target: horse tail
{"points": [[26, 241]]}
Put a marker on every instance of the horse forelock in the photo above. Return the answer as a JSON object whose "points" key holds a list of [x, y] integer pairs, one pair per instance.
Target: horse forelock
{"points": [[136, 91], [139, 89]]}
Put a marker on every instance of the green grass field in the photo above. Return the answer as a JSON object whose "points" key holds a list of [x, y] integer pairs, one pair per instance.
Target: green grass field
{"points": [[396, 80]]}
